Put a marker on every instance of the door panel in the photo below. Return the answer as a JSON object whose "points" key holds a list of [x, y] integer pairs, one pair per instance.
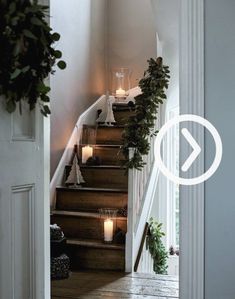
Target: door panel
{"points": [[21, 130], [22, 232], [24, 205]]}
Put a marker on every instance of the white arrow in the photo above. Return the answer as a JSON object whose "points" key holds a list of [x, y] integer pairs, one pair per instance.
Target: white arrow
{"points": [[194, 145]]}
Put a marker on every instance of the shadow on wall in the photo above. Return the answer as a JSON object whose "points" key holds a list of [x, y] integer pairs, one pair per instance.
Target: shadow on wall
{"points": [[131, 36], [96, 35], [82, 28]]}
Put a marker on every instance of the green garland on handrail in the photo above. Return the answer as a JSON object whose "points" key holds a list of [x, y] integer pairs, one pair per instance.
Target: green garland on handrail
{"points": [[156, 248], [27, 55], [141, 125]]}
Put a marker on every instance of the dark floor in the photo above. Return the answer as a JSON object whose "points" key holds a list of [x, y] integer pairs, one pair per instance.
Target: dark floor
{"points": [[115, 285]]}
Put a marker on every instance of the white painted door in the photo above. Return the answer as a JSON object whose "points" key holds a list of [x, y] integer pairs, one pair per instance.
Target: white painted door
{"points": [[24, 205]]}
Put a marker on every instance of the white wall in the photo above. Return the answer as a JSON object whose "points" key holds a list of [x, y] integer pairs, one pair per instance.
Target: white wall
{"points": [[166, 19], [131, 35], [81, 24]]}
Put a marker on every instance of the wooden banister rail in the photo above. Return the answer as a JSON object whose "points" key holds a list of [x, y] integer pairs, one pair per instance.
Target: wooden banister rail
{"points": [[145, 233]]}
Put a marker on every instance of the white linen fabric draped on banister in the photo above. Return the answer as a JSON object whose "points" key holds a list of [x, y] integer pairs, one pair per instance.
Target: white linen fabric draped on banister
{"points": [[142, 185]]}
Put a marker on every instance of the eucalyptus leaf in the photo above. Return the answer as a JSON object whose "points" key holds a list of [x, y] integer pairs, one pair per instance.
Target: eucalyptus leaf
{"points": [[45, 98], [43, 7], [17, 48], [42, 88], [61, 64], [25, 69], [12, 7], [14, 21], [29, 34], [28, 42], [43, 112], [58, 54], [15, 74], [55, 36], [34, 73], [47, 109], [36, 21]]}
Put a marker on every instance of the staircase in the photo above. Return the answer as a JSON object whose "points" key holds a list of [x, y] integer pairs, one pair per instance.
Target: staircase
{"points": [[106, 187]]}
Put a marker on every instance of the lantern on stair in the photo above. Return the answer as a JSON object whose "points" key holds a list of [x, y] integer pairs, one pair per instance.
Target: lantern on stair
{"points": [[88, 141], [87, 152], [121, 83], [108, 222]]}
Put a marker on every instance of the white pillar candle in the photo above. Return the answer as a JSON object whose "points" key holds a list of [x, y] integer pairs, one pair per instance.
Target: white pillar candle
{"points": [[108, 230], [87, 152], [120, 93]]}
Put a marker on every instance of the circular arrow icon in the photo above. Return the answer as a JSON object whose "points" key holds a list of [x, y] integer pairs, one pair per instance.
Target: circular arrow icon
{"points": [[195, 146]]}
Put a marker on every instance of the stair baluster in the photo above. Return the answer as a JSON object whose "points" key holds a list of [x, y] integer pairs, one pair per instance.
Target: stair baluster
{"points": [[141, 188]]}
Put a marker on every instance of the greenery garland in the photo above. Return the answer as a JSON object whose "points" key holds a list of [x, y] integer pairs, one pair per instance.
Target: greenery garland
{"points": [[141, 125], [27, 55], [156, 248]]}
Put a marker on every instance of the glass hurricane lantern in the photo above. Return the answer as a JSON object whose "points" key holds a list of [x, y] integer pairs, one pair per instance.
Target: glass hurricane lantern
{"points": [[121, 83]]}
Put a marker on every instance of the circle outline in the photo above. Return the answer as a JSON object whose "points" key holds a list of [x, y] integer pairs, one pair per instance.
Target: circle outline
{"points": [[218, 144]]}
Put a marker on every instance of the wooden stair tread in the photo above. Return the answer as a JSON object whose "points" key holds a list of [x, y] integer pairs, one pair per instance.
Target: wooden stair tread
{"points": [[103, 166], [81, 214], [122, 108], [104, 145], [103, 176], [111, 127], [110, 135], [90, 199], [122, 105], [86, 189], [94, 244]]}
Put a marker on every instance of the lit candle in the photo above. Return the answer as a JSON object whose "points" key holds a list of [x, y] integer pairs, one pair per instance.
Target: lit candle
{"points": [[87, 152], [108, 230], [120, 93]]}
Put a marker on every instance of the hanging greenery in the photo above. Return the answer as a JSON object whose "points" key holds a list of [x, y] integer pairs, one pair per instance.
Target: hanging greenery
{"points": [[156, 248], [140, 126], [27, 55]]}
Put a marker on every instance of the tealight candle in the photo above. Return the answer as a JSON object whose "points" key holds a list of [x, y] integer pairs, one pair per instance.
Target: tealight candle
{"points": [[87, 152], [120, 93], [108, 230]]}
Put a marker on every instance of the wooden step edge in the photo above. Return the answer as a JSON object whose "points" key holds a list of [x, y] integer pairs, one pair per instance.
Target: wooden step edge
{"points": [[84, 166], [109, 143], [58, 241], [123, 105], [90, 189], [94, 244], [81, 214], [123, 109], [111, 127], [116, 146]]}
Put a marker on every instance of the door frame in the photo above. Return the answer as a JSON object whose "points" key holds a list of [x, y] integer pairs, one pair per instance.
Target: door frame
{"points": [[192, 206], [42, 238]]}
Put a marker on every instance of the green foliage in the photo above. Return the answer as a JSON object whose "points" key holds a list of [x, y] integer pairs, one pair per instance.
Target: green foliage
{"points": [[27, 55], [141, 125], [156, 248]]}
